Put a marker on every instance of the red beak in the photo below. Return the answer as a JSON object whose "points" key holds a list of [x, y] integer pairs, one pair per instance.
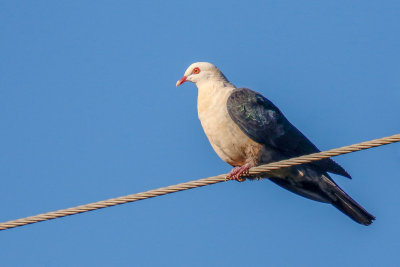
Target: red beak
{"points": [[182, 80]]}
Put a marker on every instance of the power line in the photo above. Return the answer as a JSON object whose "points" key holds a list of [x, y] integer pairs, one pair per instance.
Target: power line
{"points": [[198, 183]]}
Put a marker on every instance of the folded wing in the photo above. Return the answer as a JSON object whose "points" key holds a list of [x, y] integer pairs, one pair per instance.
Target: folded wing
{"points": [[263, 122]]}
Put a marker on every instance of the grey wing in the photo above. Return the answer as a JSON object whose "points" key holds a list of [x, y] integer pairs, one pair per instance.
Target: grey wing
{"points": [[263, 122]]}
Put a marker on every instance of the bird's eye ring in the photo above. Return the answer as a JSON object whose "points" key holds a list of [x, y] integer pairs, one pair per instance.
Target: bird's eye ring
{"points": [[196, 70]]}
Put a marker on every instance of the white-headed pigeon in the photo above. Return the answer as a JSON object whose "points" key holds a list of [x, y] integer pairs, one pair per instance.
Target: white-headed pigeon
{"points": [[246, 130]]}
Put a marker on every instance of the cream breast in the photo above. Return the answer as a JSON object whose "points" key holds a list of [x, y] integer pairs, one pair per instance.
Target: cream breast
{"points": [[226, 138]]}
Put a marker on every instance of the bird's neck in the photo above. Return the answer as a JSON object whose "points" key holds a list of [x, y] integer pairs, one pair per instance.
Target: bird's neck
{"points": [[213, 84], [212, 93]]}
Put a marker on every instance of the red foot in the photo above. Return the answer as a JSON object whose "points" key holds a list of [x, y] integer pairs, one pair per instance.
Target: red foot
{"points": [[237, 172]]}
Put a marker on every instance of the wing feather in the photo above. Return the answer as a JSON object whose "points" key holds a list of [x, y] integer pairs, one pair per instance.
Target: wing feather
{"points": [[263, 122]]}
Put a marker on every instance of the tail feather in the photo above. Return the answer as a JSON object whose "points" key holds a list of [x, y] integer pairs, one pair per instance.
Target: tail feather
{"points": [[321, 187], [351, 208]]}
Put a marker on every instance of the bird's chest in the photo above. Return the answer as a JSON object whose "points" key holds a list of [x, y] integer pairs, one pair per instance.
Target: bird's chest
{"points": [[228, 141]]}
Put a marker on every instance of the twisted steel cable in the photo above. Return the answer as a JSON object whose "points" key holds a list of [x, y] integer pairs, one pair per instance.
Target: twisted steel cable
{"points": [[198, 183]]}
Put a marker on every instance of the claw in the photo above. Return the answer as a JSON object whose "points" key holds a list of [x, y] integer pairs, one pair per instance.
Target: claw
{"points": [[237, 172]]}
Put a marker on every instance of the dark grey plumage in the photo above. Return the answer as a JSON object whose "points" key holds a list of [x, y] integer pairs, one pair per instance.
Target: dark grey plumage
{"points": [[264, 123]]}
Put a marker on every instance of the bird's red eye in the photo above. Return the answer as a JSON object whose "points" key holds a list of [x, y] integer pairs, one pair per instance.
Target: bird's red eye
{"points": [[196, 70]]}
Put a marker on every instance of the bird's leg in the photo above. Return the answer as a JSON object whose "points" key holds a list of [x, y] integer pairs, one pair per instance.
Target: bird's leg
{"points": [[237, 172]]}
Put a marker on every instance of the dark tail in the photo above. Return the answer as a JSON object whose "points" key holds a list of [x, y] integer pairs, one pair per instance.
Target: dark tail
{"points": [[350, 207], [321, 187]]}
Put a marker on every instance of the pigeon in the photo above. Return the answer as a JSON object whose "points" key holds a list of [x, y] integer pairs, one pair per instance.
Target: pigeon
{"points": [[246, 129]]}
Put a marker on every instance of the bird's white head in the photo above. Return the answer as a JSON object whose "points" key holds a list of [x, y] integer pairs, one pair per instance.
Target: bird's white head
{"points": [[201, 72]]}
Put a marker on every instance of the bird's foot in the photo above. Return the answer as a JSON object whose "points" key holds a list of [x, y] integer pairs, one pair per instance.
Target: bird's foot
{"points": [[237, 172]]}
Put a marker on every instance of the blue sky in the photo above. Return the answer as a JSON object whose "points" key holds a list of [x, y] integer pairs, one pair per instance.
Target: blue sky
{"points": [[89, 111]]}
